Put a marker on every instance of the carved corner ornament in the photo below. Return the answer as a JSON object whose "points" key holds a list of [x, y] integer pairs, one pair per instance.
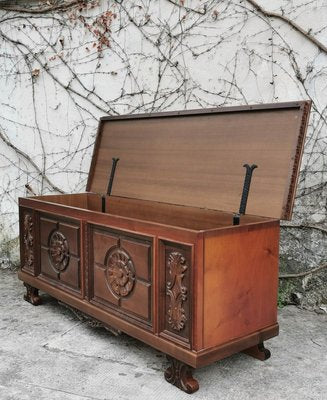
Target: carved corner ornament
{"points": [[176, 291], [28, 240], [180, 375], [120, 272]]}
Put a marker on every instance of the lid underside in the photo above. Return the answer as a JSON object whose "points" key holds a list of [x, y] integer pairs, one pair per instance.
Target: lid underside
{"points": [[196, 158]]}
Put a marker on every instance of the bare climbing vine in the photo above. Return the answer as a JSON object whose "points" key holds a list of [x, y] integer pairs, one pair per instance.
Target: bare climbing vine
{"points": [[66, 63]]}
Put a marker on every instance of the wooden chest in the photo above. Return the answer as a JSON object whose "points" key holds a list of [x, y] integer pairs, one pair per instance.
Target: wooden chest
{"points": [[170, 257]]}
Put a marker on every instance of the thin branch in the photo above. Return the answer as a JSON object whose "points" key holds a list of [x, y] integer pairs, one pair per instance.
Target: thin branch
{"points": [[180, 5], [294, 25], [304, 226], [30, 161], [304, 273], [42, 10]]}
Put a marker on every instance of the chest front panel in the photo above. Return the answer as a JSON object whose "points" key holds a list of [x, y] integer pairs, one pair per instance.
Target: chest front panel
{"points": [[121, 272], [60, 251]]}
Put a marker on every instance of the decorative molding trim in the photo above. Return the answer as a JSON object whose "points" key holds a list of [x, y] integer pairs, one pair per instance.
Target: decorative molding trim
{"points": [[297, 157], [86, 239]]}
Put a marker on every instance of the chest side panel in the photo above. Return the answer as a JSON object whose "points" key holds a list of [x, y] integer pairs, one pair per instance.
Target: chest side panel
{"points": [[240, 283]]}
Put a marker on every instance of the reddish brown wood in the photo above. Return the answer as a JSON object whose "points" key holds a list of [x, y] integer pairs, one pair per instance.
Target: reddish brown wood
{"points": [[77, 200], [180, 375], [208, 356], [240, 282], [28, 241], [32, 295], [28, 226], [60, 251], [198, 285], [170, 214], [177, 293], [176, 267], [83, 239], [179, 277], [258, 351], [196, 359], [129, 224], [121, 270]]}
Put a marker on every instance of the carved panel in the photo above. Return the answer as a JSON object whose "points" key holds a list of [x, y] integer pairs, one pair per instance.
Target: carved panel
{"points": [[176, 269], [60, 251], [120, 273], [176, 290], [28, 242]]}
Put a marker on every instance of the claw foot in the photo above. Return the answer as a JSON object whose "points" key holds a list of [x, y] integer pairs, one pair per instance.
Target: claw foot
{"points": [[32, 295], [259, 351], [180, 375]]}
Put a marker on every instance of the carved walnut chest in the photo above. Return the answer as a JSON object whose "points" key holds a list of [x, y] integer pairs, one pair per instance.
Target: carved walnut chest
{"points": [[175, 241]]}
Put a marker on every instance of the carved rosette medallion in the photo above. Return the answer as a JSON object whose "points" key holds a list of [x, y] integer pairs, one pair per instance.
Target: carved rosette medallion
{"points": [[58, 251], [175, 290], [120, 272], [28, 241]]}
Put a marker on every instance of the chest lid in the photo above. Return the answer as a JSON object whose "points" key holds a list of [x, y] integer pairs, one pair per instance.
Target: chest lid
{"points": [[196, 158]]}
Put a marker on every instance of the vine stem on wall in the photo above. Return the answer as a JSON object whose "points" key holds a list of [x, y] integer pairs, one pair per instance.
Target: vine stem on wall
{"points": [[43, 9], [304, 273], [30, 161], [294, 25]]}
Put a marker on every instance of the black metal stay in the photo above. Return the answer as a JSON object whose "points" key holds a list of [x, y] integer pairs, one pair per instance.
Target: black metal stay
{"points": [[245, 193], [110, 183]]}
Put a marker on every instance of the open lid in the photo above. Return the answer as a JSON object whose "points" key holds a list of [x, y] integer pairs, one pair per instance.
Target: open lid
{"points": [[196, 158]]}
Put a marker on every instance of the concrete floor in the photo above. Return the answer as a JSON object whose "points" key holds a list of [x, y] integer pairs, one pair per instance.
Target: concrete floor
{"points": [[47, 353]]}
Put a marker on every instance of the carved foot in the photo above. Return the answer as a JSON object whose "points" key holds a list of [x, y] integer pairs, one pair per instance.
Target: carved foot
{"points": [[32, 295], [180, 375], [259, 351]]}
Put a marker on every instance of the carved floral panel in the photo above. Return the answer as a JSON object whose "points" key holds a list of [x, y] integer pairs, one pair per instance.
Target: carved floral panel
{"points": [[121, 273], [177, 291], [28, 241], [60, 251]]}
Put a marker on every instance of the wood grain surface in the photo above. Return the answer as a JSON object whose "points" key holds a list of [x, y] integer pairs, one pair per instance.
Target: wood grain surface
{"points": [[240, 282], [197, 159]]}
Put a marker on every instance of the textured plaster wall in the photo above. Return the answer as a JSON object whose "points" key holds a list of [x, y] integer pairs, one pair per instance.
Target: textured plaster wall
{"points": [[63, 68]]}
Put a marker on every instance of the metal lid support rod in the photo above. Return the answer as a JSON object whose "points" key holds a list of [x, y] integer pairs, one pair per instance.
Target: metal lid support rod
{"points": [[110, 183], [245, 193]]}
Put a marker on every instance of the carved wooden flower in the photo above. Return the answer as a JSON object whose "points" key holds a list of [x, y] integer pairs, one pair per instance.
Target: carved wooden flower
{"points": [[28, 241], [120, 273], [58, 251]]}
